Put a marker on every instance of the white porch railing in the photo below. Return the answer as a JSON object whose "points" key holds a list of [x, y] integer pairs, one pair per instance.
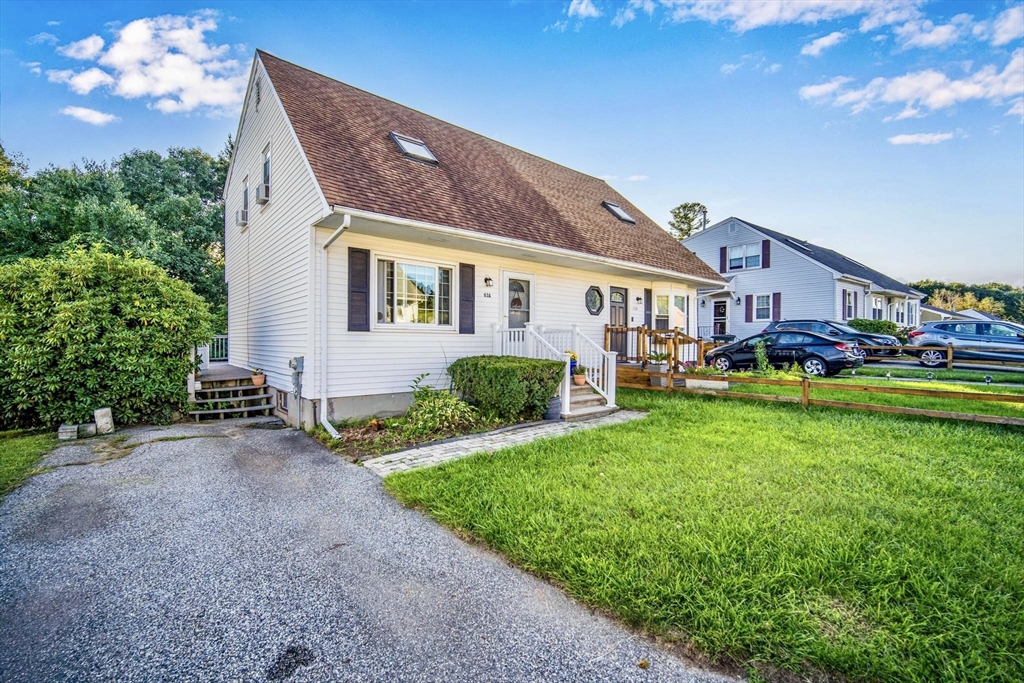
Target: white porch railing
{"points": [[537, 341], [219, 348]]}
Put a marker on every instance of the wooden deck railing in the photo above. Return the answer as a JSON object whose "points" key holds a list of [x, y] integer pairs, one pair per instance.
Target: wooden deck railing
{"points": [[638, 343]]}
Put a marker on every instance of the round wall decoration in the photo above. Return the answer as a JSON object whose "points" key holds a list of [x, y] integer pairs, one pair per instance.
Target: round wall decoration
{"points": [[595, 300]]}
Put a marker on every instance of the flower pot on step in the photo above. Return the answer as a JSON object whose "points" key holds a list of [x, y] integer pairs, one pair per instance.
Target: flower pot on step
{"points": [[258, 380], [579, 380]]}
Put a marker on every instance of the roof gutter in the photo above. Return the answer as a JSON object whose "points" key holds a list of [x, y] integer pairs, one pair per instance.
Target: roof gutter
{"points": [[345, 223], [518, 244]]}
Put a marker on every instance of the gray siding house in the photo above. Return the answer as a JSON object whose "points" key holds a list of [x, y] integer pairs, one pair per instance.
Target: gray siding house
{"points": [[771, 276]]}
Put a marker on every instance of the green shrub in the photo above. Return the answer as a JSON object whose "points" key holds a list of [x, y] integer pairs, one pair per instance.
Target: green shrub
{"points": [[437, 412], [92, 329], [873, 326], [507, 386]]}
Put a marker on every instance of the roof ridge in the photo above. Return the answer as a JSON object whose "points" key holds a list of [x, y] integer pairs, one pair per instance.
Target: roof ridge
{"points": [[264, 53]]}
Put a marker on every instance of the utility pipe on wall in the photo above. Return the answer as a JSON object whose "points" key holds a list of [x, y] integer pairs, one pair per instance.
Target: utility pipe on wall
{"points": [[346, 221]]}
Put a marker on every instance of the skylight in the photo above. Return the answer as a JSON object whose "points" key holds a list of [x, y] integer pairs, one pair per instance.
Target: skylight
{"points": [[413, 148], [619, 212]]}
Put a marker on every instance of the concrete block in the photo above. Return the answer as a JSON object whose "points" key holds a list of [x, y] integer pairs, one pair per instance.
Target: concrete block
{"points": [[104, 420], [67, 432], [87, 429]]}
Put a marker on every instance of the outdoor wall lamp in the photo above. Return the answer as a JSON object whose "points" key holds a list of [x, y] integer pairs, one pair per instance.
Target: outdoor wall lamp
{"points": [[639, 299], [703, 303], [488, 282], [739, 301]]}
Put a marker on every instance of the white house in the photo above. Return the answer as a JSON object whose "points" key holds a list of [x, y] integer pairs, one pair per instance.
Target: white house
{"points": [[377, 243], [771, 276]]}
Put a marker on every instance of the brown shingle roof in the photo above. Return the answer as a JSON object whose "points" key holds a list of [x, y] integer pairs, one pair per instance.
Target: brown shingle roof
{"points": [[479, 184]]}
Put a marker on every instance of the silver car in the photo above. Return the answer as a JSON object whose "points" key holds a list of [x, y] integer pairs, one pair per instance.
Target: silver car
{"points": [[971, 340]]}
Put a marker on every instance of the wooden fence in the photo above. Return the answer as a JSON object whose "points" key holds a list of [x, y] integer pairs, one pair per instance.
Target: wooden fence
{"points": [[946, 353], [633, 378]]}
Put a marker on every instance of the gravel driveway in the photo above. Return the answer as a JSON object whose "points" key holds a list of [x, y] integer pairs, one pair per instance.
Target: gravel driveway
{"points": [[252, 554]]}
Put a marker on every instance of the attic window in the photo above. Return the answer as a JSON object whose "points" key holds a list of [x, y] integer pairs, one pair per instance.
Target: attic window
{"points": [[413, 148], [619, 212]]}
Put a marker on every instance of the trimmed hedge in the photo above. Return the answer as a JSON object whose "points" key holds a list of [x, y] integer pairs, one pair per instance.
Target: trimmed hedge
{"points": [[874, 326], [92, 329], [507, 386]]}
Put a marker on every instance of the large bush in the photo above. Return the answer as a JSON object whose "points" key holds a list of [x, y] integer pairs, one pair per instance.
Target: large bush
{"points": [[93, 329], [507, 386], [873, 326]]}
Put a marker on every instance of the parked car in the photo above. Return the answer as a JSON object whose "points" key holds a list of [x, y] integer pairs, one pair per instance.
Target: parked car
{"points": [[839, 330], [971, 340], [816, 354]]}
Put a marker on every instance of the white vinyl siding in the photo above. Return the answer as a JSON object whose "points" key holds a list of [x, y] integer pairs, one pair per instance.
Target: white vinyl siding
{"points": [[386, 361], [267, 265]]}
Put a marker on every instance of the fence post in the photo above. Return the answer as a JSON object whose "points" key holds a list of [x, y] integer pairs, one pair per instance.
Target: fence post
{"points": [[700, 353], [576, 339], [610, 376], [607, 337], [805, 392], [529, 341], [671, 349], [566, 386], [949, 356]]}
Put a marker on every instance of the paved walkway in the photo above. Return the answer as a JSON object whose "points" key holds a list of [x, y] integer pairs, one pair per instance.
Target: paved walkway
{"points": [[217, 552], [435, 454]]}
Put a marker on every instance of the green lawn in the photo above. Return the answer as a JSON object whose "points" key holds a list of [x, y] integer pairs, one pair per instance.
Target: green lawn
{"points": [[925, 402], [19, 454], [870, 547], [939, 375]]}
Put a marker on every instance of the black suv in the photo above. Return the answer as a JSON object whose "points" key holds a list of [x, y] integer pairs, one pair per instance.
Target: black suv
{"points": [[816, 354], [838, 330]]}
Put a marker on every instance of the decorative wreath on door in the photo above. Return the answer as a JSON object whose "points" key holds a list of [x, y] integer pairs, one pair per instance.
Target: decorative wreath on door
{"points": [[516, 288]]}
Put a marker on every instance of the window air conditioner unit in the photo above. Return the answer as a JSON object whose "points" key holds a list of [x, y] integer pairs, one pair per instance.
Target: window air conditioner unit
{"points": [[262, 194], [241, 218]]}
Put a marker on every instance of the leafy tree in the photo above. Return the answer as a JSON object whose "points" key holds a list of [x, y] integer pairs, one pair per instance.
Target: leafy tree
{"points": [[685, 218], [994, 297]]}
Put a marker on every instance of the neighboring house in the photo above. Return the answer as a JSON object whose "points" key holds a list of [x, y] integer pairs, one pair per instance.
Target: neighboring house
{"points": [[970, 313], [934, 313], [772, 276], [378, 243]]}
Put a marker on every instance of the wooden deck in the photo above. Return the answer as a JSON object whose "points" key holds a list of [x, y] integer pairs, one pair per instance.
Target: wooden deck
{"points": [[222, 372]]}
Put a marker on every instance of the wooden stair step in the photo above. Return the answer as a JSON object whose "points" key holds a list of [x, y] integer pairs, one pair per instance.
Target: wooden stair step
{"points": [[225, 411], [234, 399], [248, 387]]}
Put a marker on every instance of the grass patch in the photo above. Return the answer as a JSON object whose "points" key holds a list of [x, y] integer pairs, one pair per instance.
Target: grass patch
{"points": [[20, 452], [868, 547], [939, 375]]}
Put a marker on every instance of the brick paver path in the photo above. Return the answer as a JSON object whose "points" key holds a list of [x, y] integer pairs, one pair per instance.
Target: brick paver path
{"points": [[427, 456]]}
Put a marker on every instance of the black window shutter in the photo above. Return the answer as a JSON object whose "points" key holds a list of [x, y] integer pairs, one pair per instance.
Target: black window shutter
{"points": [[723, 264], [467, 298], [749, 301], [358, 290], [844, 305], [855, 305], [766, 253], [777, 306], [647, 308]]}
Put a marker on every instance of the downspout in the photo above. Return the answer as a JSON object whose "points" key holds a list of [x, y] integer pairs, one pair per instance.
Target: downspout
{"points": [[346, 221]]}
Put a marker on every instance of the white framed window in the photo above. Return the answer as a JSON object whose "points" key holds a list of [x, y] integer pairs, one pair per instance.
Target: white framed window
{"points": [[851, 307], [877, 308], [263, 196], [911, 314], [682, 312], [745, 256], [414, 148], [901, 313], [661, 316], [245, 196], [413, 294], [762, 307]]}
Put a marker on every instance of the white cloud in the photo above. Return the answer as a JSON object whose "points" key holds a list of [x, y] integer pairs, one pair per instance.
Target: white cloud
{"points": [[929, 88], [33, 67], [1008, 26], [628, 13], [583, 9], [166, 60], [82, 83], [924, 33], [920, 138], [53, 23], [84, 49], [816, 47], [558, 26], [1017, 109], [774, 68], [909, 112], [744, 15], [96, 118], [729, 68], [822, 90], [43, 38], [636, 178]]}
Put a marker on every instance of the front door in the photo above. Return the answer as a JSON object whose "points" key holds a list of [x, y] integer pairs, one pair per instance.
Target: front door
{"points": [[518, 300], [617, 341], [719, 317]]}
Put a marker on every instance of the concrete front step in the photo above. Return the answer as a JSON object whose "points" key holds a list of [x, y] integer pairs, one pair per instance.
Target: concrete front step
{"points": [[590, 412], [587, 401]]}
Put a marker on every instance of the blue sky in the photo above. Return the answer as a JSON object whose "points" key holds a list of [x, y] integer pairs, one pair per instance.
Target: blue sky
{"points": [[890, 131]]}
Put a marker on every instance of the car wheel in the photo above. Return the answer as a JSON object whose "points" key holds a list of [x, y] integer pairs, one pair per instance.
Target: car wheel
{"points": [[861, 353], [723, 363], [814, 366], [932, 358]]}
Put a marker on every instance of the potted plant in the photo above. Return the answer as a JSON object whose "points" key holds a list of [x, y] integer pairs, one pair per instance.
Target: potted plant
{"points": [[658, 364], [258, 378], [579, 375], [573, 360]]}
